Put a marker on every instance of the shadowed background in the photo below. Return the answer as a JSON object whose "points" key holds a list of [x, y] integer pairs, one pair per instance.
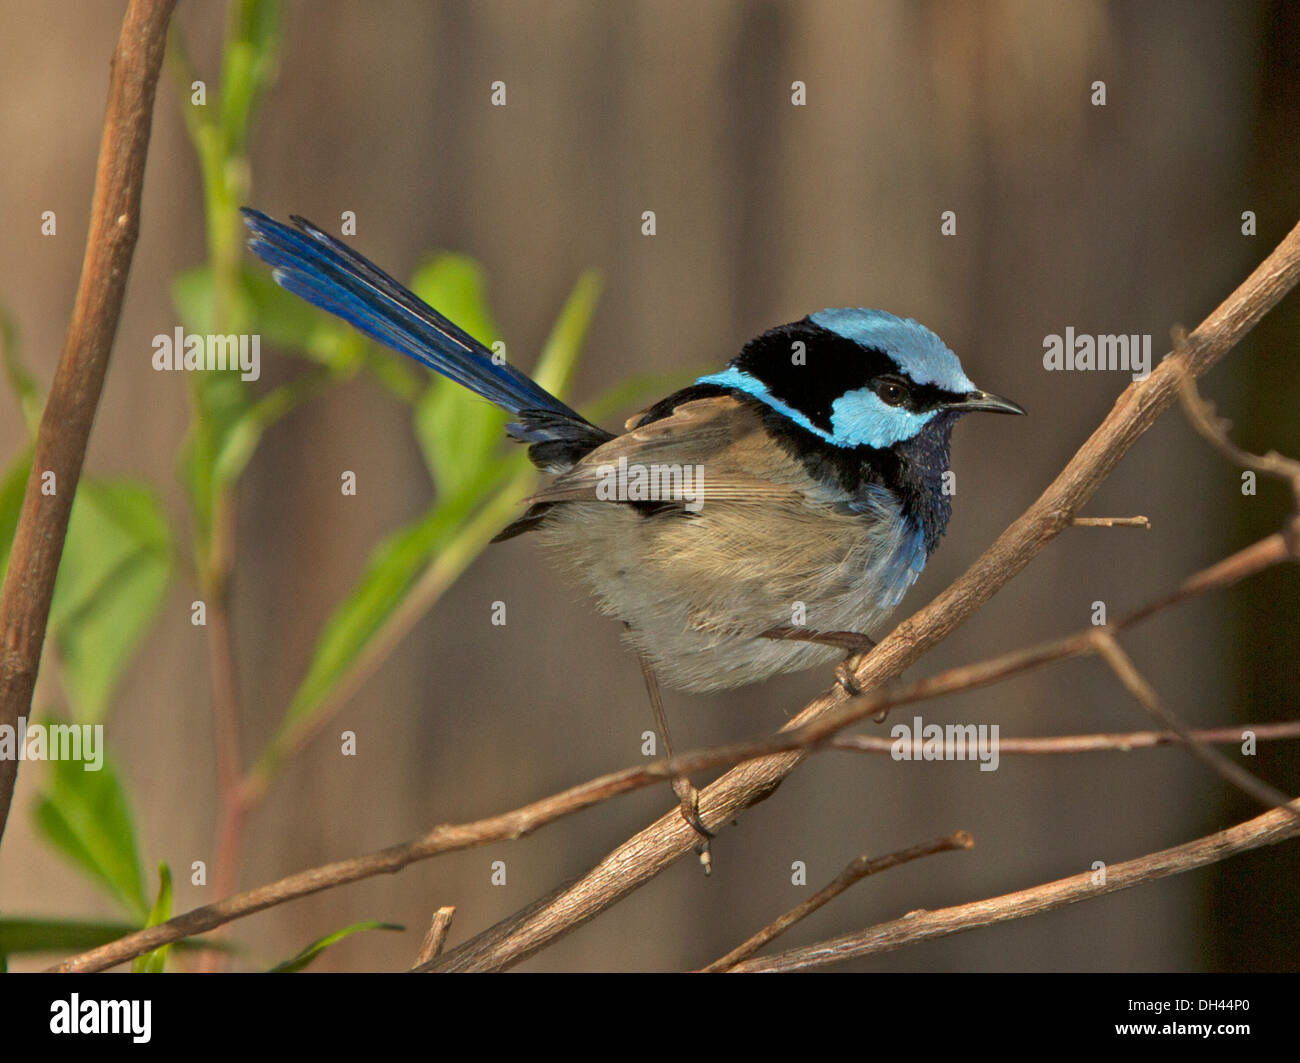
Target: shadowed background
{"points": [[1117, 219]]}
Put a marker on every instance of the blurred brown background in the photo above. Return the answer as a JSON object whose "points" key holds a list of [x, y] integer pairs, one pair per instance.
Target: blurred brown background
{"points": [[1123, 218]]}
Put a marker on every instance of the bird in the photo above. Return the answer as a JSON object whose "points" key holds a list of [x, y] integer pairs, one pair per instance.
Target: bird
{"points": [[764, 519]]}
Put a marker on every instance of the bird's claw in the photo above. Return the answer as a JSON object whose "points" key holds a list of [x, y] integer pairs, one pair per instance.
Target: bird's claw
{"points": [[689, 798], [845, 675]]}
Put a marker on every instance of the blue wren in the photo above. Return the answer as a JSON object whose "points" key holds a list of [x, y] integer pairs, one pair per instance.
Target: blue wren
{"points": [[819, 453]]}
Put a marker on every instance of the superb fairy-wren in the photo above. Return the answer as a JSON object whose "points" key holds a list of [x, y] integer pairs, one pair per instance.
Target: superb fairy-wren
{"points": [[761, 520]]}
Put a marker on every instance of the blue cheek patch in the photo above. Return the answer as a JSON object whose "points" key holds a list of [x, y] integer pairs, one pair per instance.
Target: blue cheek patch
{"points": [[858, 418]]}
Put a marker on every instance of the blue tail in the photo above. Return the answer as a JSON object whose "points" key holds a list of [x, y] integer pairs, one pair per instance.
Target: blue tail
{"points": [[329, 274]]}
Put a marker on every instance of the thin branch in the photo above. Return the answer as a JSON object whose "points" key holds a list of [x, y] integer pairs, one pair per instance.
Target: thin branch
{"points": [[855, 872], [439, 928], [658, 846], [524, 820], [1112, 522], [1268, 829], [1121, 742], [1124, 668], [79, 378], [1200, 412]]}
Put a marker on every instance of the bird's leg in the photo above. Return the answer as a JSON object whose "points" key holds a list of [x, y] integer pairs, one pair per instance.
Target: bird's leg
{"points": [[854, 644], [849, 641], [687, 795]]}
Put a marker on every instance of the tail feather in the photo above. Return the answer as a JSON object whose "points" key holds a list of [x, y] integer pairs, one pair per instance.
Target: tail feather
{"points": [[329, 274]]}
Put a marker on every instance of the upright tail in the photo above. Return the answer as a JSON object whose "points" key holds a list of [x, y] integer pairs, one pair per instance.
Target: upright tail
{"points": [[329, 274]]}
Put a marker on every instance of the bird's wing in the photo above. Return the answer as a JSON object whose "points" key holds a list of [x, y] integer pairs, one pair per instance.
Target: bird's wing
{"points": [[709, 449]]}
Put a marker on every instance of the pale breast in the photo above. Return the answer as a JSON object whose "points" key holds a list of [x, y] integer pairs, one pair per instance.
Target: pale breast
{"points": [[760, 545]]}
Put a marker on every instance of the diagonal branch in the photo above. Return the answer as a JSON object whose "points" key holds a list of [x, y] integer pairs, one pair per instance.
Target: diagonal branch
{"points": [[530, 817], [1122, 742], [856, 871], [1200, 412], [1135, 683], [79, 378], [1268, 829], [658, 846]]}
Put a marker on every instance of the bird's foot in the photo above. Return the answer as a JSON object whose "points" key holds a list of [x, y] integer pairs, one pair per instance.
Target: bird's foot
{"points": [[689, 798], [845, 675], [854, 643]]}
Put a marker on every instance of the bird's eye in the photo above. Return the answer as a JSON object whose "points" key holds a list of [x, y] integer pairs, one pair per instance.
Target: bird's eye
{"points": [[891, 392]]}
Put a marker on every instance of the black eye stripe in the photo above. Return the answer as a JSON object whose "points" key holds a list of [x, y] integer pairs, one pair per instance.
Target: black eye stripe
{"points": [[830, 365], [922, 397], [826, 365]]}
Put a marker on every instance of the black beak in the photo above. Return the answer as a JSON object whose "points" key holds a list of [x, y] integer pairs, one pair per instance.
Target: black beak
{"points": [[982, 400]]}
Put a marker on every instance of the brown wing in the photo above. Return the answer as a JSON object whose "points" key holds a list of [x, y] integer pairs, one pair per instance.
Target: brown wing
{"points": [[710, 449]]}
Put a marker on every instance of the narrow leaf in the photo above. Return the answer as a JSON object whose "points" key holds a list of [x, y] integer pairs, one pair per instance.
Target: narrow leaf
{"points": [[115, 570], [156, 961], [307, 955], [458, 431], [76, 935], [86, 817]]}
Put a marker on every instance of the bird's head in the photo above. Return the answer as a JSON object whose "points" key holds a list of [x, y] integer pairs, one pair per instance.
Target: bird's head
{"points": [[857, 377]]}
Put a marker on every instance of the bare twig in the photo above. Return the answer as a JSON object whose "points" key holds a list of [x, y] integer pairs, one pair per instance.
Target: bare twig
{"points": [[1124, 668], [655, 848], [1121, 742], [439, 927], [856, 871], [528, 818], [79, 378], [1268, 829], [1200, 412], [1112, 522]]}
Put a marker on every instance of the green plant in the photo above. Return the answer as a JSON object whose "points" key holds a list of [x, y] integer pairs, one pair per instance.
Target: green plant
{"points": [[121, 554]]}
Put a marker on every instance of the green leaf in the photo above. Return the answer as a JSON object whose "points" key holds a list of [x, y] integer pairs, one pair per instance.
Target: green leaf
{"points": [[479, 488], [86, 816], [220, 400], [456, 286], [398, 376], [156, 961], [76, 935], [248, 65], [246, 433], [458, 431], [115, 571], [222, 403], [285, 321], [18, 375], [194, 297], [389, 573], [58, 935], [230, 424], [297, 963], [12, 488]]}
